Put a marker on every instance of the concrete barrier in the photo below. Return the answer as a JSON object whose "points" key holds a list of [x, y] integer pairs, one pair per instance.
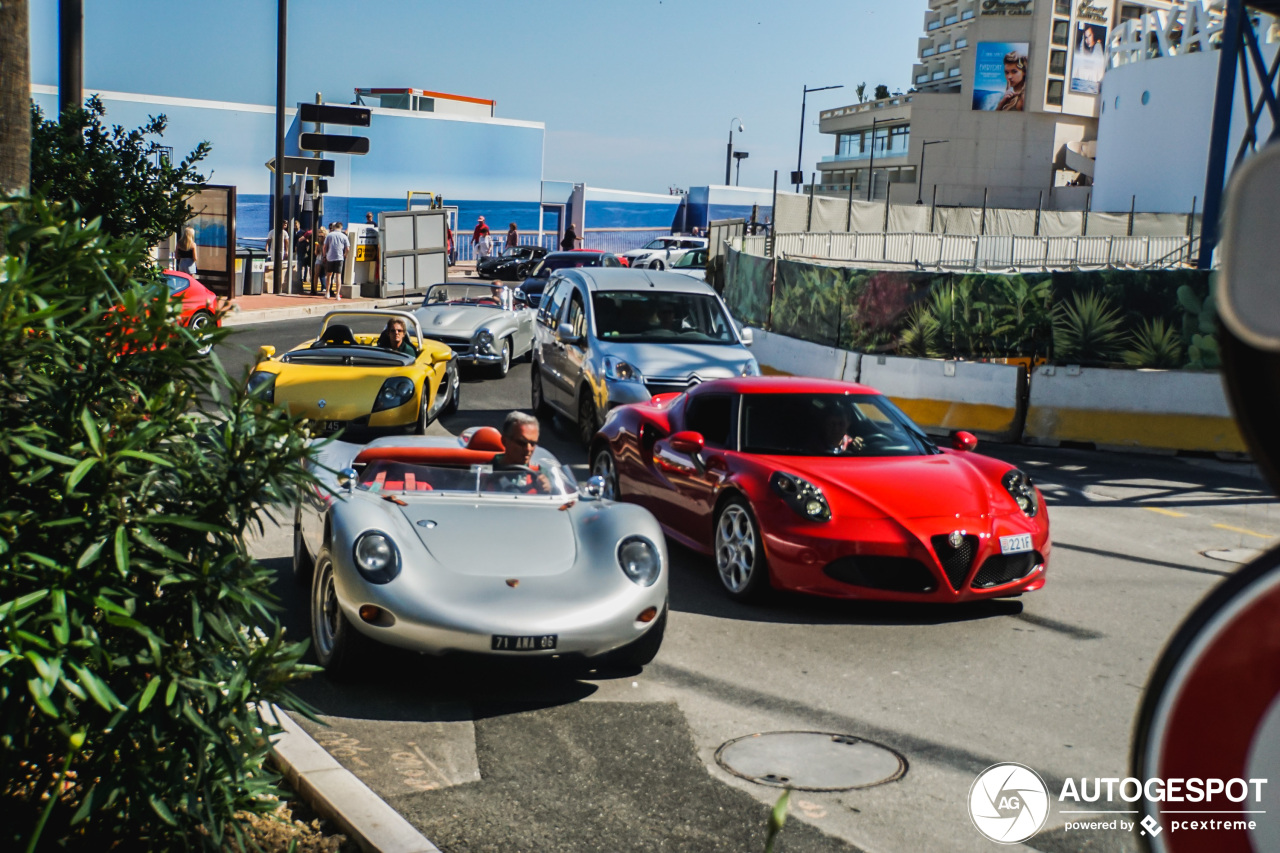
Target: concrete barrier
{"points": [[944, 396], [780, 355], [1157, 410]]}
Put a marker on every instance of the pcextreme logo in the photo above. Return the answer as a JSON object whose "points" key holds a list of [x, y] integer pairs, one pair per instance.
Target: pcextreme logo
{"points": [[1009, 803]]}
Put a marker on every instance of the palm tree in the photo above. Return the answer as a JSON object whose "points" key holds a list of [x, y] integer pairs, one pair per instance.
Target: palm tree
{"points": [[861, 89], [15, 99]]}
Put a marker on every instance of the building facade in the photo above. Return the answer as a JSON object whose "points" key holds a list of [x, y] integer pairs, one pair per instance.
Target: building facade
{"points": [[1006, 94]]}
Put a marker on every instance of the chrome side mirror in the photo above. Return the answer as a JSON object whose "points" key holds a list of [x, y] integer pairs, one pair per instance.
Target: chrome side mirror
{"points": [[347, 479], [748, 338], [594, 489]]}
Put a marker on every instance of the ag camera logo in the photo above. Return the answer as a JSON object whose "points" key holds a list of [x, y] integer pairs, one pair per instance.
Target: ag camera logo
{"points": [[1008, 803]]}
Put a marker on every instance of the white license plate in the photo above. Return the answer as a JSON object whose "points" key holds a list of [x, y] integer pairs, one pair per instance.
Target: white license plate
{"points": [[507, 643], [1018, 544]]}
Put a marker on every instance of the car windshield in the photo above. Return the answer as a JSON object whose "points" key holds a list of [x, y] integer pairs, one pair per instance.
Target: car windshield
{"points": [[643, 316], [829, 425], [465, 294], [513, 252], [404, 477], [551, 263], [662, 244], [176, 283], [697, 259]]}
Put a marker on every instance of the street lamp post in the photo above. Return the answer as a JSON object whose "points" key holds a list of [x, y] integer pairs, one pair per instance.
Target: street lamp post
{"points": [[920, 177], [871, 170], [728, 157], [739, 156], [800, 153]]}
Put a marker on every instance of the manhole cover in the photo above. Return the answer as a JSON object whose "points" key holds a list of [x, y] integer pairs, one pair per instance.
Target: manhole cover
{"points": [[1233, 555], [811, 761]]}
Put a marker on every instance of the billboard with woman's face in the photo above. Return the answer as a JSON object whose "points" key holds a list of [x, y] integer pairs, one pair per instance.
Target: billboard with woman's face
{"points": [[1089, 60], [1000, 76]]}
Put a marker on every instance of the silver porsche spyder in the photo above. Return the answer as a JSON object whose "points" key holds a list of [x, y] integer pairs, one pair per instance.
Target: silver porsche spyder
{"points": [[429, 543], [483, 324]]}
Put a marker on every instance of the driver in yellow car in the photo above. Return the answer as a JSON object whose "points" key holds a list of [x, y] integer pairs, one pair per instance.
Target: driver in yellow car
{"points": [[395, 337]]}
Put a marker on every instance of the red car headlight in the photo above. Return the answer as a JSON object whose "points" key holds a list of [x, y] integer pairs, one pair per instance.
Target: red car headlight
{"points": [[803, 497]]}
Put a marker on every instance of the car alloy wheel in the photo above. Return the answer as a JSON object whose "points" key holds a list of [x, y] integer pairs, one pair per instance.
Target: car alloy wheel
{"points": [[338, 646], [738, 551], [505, 364], [586, 419], [454, 384], [657, 265], [199, 327], [603, 466]]}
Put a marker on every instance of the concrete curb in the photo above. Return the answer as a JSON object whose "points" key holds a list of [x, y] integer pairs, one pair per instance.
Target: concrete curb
{"points": [[336, 793], [315, 309]]}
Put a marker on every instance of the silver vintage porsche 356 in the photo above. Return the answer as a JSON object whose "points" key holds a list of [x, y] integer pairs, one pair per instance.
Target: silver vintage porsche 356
{"points": [[430, 544]]}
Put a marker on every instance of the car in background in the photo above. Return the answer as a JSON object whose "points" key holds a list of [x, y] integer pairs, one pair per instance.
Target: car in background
{"points": [[536, 281], [693, 264], [513, 264], [663, 252], [488, 325], [349, 380], [825, 488], [199, 311], [432, 544], [606, 337]]}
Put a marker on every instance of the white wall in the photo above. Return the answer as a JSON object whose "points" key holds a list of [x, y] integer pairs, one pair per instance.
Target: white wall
{"points": [[1159, 151]]}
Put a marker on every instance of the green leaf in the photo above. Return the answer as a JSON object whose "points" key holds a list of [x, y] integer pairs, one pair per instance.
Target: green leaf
{"points": [[78, 473], [122, 550], [97, 688], [91, 553], [171, 692], [42, 453], [91, 430], [146, 457], [142, 535], [11, 607], [149, 693], [162, 810]]}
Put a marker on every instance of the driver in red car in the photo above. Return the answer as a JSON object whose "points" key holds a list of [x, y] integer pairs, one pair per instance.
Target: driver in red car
{"points": [[835, 437]]}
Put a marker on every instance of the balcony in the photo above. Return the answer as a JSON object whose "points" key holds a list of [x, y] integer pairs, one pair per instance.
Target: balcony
{"points": [[854, 109], [967, 15], [922, 78], [943, 48], [961, 44], [928, 52], [938, 75], [954, 72], [950, 19]]}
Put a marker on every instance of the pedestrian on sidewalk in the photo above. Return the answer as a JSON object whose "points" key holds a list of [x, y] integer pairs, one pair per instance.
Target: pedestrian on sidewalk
{"points": [[186, 251], [318, 265], [336, 246], [513, 236], [481, 242], [303, 247], [571, 239], [368, 218]]}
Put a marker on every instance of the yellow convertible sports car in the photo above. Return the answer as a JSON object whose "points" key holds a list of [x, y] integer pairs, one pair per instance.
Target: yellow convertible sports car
{"points": [[387, 376]]}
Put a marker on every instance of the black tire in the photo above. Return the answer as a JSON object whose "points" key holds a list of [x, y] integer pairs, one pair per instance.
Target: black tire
{"points": [[455, 389], [744, 576], [604, 465], [424, 411], [538, 400], [587, 423], [340, 649], [641, 652], [303, 565], [657, 265], [199, 325], [504, 366]]}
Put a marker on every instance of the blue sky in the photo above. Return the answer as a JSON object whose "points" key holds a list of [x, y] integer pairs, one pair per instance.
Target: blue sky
{"points": [[635, 95]]}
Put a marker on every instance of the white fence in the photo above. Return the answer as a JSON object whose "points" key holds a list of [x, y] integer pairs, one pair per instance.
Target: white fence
{"points": [[965, 251]]}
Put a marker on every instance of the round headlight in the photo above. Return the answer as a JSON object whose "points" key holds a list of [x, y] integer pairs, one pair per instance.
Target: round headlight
{"points": [[484, 339], [376, 557], [639, 560]]}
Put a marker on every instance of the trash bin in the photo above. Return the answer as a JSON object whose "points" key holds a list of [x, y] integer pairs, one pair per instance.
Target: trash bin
{"points": [[252, 263]]}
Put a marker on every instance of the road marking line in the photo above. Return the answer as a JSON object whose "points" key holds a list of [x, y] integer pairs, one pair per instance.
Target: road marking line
{"points": [[1244, 531], [1167, 512]]}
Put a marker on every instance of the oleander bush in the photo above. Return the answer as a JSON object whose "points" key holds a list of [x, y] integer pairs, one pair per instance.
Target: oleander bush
{"points": [[137, 634]]}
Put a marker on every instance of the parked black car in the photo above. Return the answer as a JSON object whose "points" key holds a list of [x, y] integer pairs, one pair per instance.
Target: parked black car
{"points": [[513, 264], [537, 279]]}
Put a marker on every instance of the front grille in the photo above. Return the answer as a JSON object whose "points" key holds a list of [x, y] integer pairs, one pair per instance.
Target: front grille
{"points": [[955, 561], [461, 347], [1001, 569], [656, 388], [896, 574]]}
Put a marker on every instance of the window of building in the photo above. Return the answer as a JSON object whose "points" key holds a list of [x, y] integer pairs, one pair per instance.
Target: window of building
{"points": [[907, 175], [1054, 94], [1062, 7], [1061, 32], [961, 43], [1057, 62]]}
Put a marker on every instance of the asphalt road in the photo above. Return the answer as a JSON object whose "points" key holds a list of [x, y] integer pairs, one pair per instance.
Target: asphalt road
{"points": [[484, 757]]}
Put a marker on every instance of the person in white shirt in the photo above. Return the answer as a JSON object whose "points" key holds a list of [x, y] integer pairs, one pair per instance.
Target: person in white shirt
{"points": [[336, 246]]}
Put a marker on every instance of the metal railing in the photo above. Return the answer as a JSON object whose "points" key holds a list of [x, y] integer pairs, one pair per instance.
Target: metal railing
{"points": [[966, 251]]}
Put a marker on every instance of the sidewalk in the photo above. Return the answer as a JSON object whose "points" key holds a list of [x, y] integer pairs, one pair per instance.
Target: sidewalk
{"points": [[267, 307]]}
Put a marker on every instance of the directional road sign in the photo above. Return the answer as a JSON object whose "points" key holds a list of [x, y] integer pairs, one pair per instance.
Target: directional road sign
{"points": [[333, 143], [304, 166], [334, 114]]}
